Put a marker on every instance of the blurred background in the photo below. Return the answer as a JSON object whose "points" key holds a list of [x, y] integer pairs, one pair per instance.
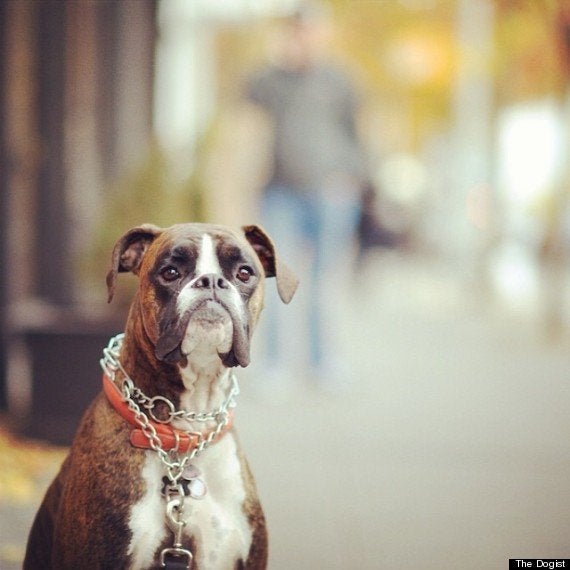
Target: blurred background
{"points": [[446, 445]]}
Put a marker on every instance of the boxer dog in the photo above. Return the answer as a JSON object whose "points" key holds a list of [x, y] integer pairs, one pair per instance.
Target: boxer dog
{"points": [[155, 477]]}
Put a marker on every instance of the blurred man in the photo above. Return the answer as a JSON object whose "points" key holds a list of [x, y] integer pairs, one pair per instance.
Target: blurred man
{"points": [[311, 203]]}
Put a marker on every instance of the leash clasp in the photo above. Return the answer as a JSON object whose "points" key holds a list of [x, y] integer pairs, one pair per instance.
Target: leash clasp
{"points": [[174, 509]]}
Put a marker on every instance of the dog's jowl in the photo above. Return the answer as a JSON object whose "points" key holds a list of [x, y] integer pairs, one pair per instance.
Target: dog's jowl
{"points": [[156, 477]]}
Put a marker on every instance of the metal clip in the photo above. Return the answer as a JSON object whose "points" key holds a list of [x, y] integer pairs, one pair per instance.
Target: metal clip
{"points": [[174, 509]]}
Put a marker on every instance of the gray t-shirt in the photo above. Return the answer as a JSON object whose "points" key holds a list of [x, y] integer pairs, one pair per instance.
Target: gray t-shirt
{"points": [[313, 117]]}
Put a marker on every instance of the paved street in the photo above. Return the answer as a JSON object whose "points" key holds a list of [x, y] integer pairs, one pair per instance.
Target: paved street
{"points": [[449, 449]]}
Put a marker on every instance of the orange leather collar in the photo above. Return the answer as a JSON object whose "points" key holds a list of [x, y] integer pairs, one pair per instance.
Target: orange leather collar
{"points": [[170, 438]]}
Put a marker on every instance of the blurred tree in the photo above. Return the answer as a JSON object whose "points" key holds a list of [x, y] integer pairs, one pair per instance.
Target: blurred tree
{"points": [[149, 193]]}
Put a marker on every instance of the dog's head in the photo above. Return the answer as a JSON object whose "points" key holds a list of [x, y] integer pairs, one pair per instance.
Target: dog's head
{"points": [[200, 287]]}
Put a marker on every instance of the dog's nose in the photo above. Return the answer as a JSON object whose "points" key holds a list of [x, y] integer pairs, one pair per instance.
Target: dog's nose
{"points": [[211, 281]]}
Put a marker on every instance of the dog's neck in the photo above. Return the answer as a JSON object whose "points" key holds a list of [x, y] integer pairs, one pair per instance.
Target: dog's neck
{"points": [[200, 382], [206, 387]]}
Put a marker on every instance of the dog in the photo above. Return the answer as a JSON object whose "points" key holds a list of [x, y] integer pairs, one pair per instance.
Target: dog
{"points": [[155, 477]]}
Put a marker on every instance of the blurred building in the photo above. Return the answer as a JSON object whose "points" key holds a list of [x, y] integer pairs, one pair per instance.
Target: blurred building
{"points": [[76, 85]]}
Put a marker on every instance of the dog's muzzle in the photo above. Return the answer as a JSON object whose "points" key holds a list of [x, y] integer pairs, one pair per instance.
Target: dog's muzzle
{"points": [[206, 303]]}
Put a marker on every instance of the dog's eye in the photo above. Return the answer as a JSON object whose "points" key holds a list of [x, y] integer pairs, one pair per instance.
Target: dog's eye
{"points": [[170, 274], [244, 273]]}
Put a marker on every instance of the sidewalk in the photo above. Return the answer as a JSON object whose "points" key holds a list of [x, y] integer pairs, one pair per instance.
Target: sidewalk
{"points": [[26, 468], [449, 450]]}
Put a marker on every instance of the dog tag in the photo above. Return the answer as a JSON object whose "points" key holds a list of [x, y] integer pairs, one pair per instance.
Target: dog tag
{"points": [[197, 489], [190, 472], [193, 486]]}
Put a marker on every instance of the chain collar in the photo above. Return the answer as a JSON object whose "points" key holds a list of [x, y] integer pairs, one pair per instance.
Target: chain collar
{"points": [[111, 365], [174, 461]]}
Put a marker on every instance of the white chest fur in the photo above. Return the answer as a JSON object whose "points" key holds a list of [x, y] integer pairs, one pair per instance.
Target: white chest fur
{"points": [[217, 522]]}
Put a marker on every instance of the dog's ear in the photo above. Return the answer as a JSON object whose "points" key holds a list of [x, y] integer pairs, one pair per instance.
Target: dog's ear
{"points": [[287, 281], [129, 252]]}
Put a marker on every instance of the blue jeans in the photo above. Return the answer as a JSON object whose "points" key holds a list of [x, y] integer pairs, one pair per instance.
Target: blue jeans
{"points": [[313, 234]]}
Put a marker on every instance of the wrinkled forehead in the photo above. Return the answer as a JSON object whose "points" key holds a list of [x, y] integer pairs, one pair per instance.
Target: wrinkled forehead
{"points": [[190, 241]]}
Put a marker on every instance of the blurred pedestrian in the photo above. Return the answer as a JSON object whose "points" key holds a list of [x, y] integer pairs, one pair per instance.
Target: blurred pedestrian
{"points": [[312, 201]]}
